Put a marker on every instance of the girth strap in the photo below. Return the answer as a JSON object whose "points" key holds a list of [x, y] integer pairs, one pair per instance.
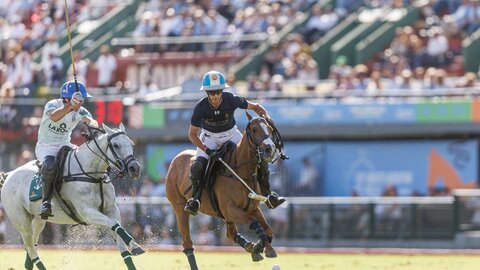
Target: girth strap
{"points": [[94, 181]]}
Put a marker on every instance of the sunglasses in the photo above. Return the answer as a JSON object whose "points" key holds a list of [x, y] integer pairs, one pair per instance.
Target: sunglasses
{"points": [[214, 92]]}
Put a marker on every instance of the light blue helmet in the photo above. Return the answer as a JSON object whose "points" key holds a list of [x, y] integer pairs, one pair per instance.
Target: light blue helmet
{"points": [[213, 80], [69, 88]]}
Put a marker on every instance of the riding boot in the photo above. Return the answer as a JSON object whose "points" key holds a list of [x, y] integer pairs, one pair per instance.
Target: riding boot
{"points": [[197, 172], [48, 176], [273, 200]]}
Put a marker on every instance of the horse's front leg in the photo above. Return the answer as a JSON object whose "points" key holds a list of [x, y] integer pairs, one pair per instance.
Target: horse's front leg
{"points": [[123, 238], [269, 250], [183, 224], [233, 234], [237, 215]]}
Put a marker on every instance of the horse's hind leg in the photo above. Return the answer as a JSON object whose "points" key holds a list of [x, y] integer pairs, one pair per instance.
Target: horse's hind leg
{"points": [[183, 223], [269, 250], [24, 224]]}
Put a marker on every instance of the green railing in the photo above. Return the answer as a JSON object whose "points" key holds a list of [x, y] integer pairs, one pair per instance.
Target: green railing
{"points": [[381, 37], [321, 49], [471, 49]]}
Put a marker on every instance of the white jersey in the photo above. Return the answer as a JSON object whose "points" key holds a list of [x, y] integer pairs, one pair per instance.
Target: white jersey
{"points": [[58, 133]]}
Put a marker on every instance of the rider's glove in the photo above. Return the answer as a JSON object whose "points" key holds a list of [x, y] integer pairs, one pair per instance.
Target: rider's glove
{"points": [[76, 98], [211, 153]]}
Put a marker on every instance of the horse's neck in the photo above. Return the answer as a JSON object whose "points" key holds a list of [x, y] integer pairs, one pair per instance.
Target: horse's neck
{"points": [[89, 157], [245, 158]]}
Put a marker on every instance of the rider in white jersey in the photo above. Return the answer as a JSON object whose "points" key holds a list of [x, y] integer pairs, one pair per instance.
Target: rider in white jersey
{"points": [[60, 116]]}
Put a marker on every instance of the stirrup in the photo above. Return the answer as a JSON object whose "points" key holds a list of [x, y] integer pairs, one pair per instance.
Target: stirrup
{"points": [[46, 211], [192, 206]]}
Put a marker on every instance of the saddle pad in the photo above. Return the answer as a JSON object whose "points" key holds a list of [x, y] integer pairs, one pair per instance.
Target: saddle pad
{"points": [[35, 191]]}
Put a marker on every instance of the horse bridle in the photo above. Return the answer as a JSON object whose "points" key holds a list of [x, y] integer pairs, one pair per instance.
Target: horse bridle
{"points": [[119, 166], [276, 138]]}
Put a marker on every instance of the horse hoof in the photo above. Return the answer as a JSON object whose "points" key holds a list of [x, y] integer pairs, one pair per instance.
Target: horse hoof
{"points": [[270, 253], [137, 251], [256, 257]]}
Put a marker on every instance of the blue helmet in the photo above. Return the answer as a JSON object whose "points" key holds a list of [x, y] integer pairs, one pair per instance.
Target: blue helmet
{"points": [[213, 80], [69, 88]]}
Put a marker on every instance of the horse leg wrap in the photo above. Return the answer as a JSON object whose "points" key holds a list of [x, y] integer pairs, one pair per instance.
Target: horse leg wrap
{"points": [[255, 226], [28, 263], [122, 233], [240, 240], [191, 258], [127, 258], [39, 264]]}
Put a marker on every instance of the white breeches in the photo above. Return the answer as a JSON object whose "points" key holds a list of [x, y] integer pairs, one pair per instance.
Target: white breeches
{"points": [[43, 150], [215, 140]]}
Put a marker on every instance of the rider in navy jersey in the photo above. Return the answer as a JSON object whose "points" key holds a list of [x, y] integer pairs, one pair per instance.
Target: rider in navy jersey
{"points": [[213, 118]]}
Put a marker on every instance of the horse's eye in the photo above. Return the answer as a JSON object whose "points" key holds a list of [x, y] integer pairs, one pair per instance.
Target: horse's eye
{"points": [[115, 145], [254, 130]]}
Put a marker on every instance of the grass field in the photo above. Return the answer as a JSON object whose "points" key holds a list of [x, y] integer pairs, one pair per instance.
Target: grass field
{"points": [[155, 260]]}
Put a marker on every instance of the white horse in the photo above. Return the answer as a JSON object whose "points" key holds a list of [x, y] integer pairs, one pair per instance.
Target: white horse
{"points": [[86, 189]]}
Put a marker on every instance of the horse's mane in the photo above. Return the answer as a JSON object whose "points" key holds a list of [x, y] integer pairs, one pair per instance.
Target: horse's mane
{"points": [[92, 132]]}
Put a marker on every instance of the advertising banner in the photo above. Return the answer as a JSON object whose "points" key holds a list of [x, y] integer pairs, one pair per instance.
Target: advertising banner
{"points": [[413, 167]]}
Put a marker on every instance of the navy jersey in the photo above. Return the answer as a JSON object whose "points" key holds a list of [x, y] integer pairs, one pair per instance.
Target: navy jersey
{"points": [[220, 119]]}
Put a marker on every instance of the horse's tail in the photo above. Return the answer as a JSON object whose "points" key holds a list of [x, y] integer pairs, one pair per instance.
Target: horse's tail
{"points": [[3, 176]]}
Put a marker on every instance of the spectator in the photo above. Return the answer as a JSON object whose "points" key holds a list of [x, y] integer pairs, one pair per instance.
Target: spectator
{"points": [[473, 204], [81, 67], [106, 65], [437, 47], [308, 179], [320, 22], [3, 226], [8, 112], [375, 86], [388, 216], [147, 87]]}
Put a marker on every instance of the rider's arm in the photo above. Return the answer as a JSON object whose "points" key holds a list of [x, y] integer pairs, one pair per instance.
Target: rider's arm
{"points": [[258, 109], [193, 136], [59, 113]]}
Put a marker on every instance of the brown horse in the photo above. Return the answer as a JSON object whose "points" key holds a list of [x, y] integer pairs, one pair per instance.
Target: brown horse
{"points": [[233, 202]]}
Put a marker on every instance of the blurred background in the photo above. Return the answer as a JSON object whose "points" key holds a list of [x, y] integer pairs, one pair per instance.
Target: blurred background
{"points": [[376, 101]]}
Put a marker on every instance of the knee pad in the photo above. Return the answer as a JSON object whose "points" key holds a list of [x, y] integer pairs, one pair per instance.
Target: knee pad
{"points": [[48, 168], [198, 169]]}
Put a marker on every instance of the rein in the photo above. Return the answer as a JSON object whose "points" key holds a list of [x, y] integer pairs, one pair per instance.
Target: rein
{"points": [[118, 165]]}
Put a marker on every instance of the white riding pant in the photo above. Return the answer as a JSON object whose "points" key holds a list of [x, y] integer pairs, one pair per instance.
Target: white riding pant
{"points": [[215, 140], [43, 150]]}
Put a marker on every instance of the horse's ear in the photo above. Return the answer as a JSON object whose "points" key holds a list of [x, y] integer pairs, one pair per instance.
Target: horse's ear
{"points": [[121, 127], [249, 117], [107, 129]]}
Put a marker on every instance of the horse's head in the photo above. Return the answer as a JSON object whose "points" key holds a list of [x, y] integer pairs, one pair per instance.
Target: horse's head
{"points": [[260, 133], [120, 152]]}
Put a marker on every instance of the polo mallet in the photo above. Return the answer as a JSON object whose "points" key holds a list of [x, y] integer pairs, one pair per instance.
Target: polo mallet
{"points": [[71, 48], [252, 194]]}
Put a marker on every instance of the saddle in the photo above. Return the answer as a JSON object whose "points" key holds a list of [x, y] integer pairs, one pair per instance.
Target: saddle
{"points": [[35, 192], [215, 168]]}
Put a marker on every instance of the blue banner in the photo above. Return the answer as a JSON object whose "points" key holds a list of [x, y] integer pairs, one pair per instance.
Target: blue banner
{"points": [[338, 114], [413, 167]]}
